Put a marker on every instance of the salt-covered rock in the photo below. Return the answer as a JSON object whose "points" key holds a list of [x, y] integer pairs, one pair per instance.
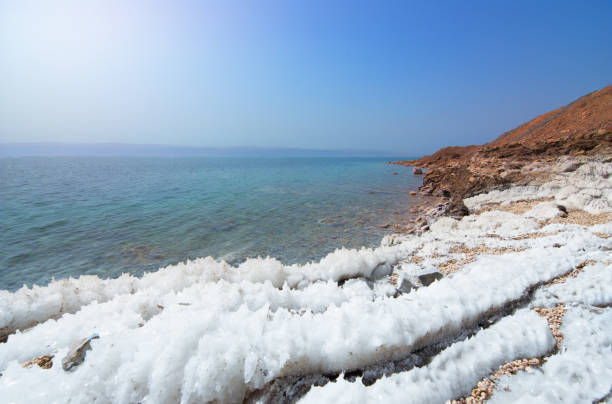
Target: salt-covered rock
{"points": [[77, 353], [587, 188], [406, 286], [546, 210]]}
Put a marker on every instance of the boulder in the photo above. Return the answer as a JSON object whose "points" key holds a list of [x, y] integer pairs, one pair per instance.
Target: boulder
{"points": [[417, 171]]}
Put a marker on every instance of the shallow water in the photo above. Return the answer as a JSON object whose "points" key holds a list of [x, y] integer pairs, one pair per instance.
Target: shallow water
{"points": [[66, 216]]}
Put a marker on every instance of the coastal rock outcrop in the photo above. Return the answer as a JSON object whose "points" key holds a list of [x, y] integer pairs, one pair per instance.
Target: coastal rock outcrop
{"points": [[581, 128]]}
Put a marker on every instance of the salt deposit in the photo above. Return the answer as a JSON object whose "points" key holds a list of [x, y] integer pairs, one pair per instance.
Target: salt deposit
{"points": [[544, 210], [580, 373], [587, 188], [29, 306], [454, 371], [205, 331], [590, 287]]}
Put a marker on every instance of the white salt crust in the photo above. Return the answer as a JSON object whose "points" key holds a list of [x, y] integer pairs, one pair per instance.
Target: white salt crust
{"points": [[580, 373], [452, 373], [588, 188]]}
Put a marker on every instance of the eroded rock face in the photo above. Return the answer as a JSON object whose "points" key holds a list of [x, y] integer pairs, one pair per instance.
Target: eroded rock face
{"points": [[76, 356]]}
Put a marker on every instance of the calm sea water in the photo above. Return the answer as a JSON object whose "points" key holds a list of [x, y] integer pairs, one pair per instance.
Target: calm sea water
{"points": [[67, 216]]}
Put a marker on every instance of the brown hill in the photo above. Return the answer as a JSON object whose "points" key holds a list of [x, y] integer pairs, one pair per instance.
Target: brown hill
{"points": [[587, 115], [583, 127]]}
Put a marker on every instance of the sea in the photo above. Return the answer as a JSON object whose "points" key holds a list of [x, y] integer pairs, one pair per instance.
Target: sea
{"points": [[68, 216]]}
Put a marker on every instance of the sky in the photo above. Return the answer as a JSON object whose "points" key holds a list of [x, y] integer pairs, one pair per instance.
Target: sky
{"points": [[403, 76]]}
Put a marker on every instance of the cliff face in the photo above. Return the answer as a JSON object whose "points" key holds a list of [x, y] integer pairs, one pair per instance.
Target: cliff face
{"points": [[583, 127]]}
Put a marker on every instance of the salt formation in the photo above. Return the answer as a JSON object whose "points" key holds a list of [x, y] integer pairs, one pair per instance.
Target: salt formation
{"points": [[586, 188], [205, 331], [582, 370], [455, 370]]}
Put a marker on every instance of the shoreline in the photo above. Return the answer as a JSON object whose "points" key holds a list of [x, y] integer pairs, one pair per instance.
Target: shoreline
{"points": [[533, 247], [549, 211], [509, 272], [297, 217]]}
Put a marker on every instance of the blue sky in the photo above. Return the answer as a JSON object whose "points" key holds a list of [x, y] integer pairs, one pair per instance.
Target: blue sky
{"points": [[402, 76]]}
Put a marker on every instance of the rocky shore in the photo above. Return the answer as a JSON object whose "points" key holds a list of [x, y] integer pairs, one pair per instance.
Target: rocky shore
{"points": [[543, 195], [517, 157], [501, 292]]}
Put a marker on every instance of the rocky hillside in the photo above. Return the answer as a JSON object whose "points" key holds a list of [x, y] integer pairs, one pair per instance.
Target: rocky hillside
{"points": [[583, 127]]}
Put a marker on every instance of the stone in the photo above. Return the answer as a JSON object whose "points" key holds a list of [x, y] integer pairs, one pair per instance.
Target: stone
{"points": [[77, 353], [429, 278], [417, 171], [458, 209], [412, 193], [563, 210], [406, 286], [383, 269], [427, 189], [288, 389], [569, 166], [43, 362]]}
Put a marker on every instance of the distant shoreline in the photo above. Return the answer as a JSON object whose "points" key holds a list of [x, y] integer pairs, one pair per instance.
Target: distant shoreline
{"points": [[154, 150]]}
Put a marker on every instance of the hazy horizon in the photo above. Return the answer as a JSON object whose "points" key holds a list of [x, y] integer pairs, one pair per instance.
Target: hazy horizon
{"points": [[404, 76], [114, 149]]}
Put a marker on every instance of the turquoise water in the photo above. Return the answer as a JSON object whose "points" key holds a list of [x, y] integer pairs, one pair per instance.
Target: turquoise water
{"points": [[67, 216]]}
